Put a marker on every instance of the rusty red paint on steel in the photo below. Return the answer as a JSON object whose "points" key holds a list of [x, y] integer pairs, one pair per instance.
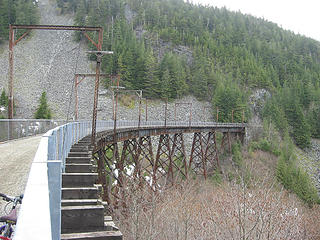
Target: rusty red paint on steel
{"points": [[217, 152], [177, 152], [57, 27], [165, 169], [12, 43], [124, 134]]}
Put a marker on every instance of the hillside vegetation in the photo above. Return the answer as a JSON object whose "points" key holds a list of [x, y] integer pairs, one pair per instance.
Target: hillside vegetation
{"points": [[16, 12], [232, 54]]}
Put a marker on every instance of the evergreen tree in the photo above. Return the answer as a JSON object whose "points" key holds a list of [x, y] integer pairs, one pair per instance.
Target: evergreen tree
{"points": [[151, 86], [3, 99], [228, 98], [228, 49], [43, 111], [165, 84], [300, 128]]}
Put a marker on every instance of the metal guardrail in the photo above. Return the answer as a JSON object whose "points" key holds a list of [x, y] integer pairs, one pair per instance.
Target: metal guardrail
{"points": [[40, 213], [31, 127], [25, 127]]}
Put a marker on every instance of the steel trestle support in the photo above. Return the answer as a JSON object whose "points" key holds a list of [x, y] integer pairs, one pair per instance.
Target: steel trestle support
{"points": [[133, 161]]}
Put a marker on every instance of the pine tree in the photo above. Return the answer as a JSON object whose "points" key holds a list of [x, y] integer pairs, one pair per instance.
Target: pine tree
{"points": [[151, 86], [3, 99], [43, 111], [165, 84]]}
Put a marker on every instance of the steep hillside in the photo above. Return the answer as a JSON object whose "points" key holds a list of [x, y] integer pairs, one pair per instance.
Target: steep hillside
{"points": [[46, 61], [171, 48]]}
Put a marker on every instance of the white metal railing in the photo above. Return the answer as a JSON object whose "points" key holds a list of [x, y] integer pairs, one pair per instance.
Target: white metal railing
{"points": [[39, 216], [18, 128], [40, 213]]}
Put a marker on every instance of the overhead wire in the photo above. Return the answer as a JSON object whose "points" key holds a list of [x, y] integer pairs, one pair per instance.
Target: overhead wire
{"points": [[71, 94], [73, 82]]}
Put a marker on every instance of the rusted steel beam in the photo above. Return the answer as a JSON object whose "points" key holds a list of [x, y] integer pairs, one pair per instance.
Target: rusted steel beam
{"points": [[92, 75], [76, 110], [102, 176], [138, 165], [109, 192], [229, 143], [10, 99], [146, 109], [139, 118], [196, 154], [242, 116], [98, 45], [216, 147], [125, 134], [211, 152], [95, 99], [217, 117], [232, 114], [91, 40], [161, 165], [165, 114], [20, 38], [178, 154], [57, 27]]}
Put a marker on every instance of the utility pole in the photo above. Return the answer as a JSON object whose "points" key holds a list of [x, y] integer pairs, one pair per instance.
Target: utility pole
{"points": [[232, 113], [217, 119], [99, 55], [140, 102], [146, 109], [11, 45], [165, 113], [115, 107], [28, 28], [84, 30], [115, 99]]}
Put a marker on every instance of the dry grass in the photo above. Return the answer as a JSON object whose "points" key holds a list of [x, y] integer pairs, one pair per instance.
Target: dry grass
{"points": [[200, 210], [257, 208]]}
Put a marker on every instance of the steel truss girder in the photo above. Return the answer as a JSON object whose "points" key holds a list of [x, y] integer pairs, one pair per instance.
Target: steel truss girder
{"points": [[133, 160], [204, 156]]}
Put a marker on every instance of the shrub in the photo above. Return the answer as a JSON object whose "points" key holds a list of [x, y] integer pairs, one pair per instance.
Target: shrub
{"points": [[266, 146], [294, 178], [237, 155]]}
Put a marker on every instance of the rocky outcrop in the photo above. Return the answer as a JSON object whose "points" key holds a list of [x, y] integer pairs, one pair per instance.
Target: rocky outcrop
{"points": [[257, 101], [309, 159]]}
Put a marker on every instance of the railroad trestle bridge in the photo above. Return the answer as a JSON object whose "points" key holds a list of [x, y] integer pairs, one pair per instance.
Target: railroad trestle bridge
{"points": [[157, 156], [150, 155]]}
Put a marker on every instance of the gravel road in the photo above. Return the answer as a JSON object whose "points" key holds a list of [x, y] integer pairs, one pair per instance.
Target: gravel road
{"points": [[15, 160]]}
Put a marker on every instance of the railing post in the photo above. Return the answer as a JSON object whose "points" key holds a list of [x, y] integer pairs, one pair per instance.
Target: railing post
{"points": [[54, 185]]}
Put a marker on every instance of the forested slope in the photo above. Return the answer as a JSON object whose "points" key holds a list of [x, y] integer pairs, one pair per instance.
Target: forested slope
{"points": [[233, 53], [16, 12]]}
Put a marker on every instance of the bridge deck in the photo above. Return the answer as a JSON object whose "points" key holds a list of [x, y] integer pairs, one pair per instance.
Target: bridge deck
{"points": [[15, 161], [128, 133]]}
